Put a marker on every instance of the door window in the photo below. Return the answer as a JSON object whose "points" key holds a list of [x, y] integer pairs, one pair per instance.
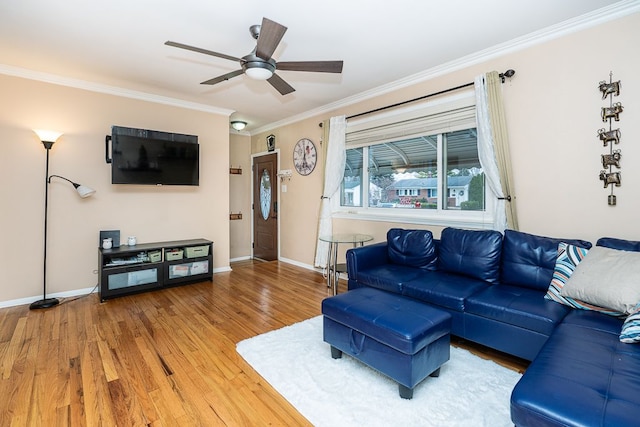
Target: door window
{"points": [[265, 194]]}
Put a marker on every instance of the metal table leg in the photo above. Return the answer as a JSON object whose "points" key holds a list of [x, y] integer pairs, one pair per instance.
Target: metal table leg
{"points": [[334, 268]]}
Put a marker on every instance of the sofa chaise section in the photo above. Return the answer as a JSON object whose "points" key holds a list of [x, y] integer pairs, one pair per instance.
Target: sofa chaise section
{"points": [[584, 375]]}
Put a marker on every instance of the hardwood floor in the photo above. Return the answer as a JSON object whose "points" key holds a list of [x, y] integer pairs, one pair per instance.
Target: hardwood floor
{"points": [[164, 358]]}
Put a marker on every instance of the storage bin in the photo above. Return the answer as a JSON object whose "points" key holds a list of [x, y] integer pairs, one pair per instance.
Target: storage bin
{"points": [[180, 270], [174, 254], [155, 256], [197, 251], [199, 267]]}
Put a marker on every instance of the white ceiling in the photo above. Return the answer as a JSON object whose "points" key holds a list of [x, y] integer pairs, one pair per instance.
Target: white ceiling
{"points": [[120, 43]]}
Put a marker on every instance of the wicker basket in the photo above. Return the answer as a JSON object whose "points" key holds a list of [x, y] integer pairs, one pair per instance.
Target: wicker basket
{"points": [[197, 251], [173, 254]]}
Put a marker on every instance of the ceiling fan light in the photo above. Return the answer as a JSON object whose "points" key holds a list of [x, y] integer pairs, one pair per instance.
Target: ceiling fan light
{"points": [[258, 73], [238, 125]]}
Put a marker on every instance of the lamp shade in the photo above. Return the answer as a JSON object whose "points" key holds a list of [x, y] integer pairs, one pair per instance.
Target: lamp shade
{"points": [[84, 191], [47, 135], [238, 125]]}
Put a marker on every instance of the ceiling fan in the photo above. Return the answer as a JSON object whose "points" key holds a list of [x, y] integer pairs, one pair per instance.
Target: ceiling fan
{"points": [[259, 64]]}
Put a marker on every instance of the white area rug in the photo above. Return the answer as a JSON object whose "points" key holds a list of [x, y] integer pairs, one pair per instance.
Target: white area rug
{"points": [[470, 391]]}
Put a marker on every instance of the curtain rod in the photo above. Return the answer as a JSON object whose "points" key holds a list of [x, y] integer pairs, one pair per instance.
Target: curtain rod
{"points": [[509, 73]]}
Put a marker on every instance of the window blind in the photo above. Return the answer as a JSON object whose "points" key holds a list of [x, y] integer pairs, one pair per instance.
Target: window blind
{"points": [[451, 114]]}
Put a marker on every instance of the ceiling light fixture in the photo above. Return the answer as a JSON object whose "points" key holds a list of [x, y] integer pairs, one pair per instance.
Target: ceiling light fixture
{"points": [[238, 125], [259, 73], [257, 68]]}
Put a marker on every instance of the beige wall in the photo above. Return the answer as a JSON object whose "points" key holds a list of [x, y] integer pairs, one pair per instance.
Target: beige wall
{"points": [[148, 212], [553, 107], [240, 196]]}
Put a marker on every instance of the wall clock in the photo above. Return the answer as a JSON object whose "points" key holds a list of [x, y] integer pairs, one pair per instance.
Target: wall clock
{"points": [[305, 156]]}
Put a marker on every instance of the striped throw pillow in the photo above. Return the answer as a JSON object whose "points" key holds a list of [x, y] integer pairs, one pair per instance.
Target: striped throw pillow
{"points": [[569, 256], [631, 327]]}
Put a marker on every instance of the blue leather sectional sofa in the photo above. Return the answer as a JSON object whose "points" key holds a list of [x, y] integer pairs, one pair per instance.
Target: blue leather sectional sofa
{"points": [[493, 285]]}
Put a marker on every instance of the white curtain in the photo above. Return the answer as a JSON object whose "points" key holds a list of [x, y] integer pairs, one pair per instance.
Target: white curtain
{"points": [[493, 149], [334, 161]]}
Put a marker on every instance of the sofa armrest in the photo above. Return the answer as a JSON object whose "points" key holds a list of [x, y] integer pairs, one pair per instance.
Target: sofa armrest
{"points": [[364, 257]]}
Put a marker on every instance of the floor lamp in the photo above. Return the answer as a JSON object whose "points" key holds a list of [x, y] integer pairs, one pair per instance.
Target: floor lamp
{"points": [[48, 138]]}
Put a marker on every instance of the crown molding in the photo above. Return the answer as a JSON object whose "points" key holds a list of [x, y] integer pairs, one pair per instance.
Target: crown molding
{"points": [[110, 90], [597, 17], [588, 20]]}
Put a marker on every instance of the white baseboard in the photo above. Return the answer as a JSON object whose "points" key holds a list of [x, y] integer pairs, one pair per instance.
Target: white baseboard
{"points": [[73, 293], [66, 294], [300, 264], [85, 291]]}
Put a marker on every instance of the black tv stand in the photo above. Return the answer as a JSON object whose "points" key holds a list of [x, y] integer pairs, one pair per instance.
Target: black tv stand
{"points": [[144, 267]]}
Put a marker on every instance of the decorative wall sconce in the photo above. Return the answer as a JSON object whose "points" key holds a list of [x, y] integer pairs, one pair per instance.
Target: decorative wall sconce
{"points": [[49, 138], [610, 137]]}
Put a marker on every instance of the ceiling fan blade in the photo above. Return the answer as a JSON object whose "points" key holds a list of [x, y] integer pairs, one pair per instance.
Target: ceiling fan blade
{"points": [[281, 86], [270, 35], [314, 66], [200, 50], [222, 78]]}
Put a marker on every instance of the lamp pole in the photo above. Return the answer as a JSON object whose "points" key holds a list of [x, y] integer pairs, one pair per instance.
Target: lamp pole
{"points": [[48, 138], [45, 302]]}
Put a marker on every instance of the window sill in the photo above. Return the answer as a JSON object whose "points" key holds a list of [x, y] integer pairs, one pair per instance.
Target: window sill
{"points": [[474, 220]]}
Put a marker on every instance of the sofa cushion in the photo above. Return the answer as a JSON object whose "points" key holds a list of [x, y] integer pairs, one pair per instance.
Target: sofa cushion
{"points": [[473, 253], [518, 306], [414, 248], [529, 260], [594, 320], [631, 327], [569, 256], [624, 245], [607, 278], [388, 277], [443, 289]]}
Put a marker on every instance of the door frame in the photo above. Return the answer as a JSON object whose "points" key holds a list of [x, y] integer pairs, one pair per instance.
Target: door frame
{"points": [[277, 179]]}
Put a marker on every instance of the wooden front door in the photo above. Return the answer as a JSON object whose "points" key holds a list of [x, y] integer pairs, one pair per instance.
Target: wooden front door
{"points": [[265, 207]]}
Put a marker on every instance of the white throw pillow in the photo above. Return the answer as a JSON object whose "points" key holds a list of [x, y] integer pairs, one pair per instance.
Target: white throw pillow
{"points": [[606, 277]]}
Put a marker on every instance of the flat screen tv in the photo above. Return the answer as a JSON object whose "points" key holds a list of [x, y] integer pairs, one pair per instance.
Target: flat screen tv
{"points": [[149, 157]]}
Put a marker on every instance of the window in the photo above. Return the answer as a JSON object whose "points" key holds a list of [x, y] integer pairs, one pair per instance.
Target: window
{"points": [[352, 181], [409, 159], [407, 192]]}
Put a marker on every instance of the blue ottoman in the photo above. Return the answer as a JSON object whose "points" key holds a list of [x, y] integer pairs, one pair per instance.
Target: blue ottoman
{"points": [[401, 338]]}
